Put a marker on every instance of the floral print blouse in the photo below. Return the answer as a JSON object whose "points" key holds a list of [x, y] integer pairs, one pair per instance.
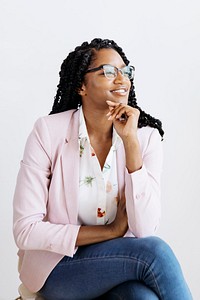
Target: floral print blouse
{"points": [[98, 189]]}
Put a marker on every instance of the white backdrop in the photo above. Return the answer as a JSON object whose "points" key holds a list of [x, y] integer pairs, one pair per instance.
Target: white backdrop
{"points": [[162, 40]]}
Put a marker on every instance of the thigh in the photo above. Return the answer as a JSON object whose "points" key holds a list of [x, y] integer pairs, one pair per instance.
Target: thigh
{"points": [[96, 269]]}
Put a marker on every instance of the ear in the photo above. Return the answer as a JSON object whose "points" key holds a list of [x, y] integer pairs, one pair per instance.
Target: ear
{"points": [[82, 91]]}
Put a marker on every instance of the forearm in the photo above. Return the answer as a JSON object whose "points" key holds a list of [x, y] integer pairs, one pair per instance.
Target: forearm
{"points": [[142, 189], [99, 233], [133, 154], [143, 203], [95, 234]]}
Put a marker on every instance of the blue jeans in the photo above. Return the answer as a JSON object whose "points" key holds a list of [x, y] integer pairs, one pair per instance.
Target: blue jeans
{"points": [[122, 268]]}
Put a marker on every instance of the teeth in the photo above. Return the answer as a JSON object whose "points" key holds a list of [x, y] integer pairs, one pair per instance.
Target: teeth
{"points": [[120, 91]]}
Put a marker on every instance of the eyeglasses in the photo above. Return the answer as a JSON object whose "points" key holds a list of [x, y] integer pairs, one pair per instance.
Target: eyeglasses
{"points": [[111, 72]]}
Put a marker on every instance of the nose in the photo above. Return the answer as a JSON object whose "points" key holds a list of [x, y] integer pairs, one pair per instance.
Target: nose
{"points": [[120, 77]]}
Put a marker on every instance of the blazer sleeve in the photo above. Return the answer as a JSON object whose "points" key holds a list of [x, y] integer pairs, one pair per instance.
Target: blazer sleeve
{"points": [[31, 229], [142, 189]]}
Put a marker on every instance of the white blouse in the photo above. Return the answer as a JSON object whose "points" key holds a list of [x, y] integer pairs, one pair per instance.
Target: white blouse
{"points": [[98, 189]]}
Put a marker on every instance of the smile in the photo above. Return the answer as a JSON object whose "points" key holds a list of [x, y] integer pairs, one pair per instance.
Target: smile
{"points": [[120, 91]]}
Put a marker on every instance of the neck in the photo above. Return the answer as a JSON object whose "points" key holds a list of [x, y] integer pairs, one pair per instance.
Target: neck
{"points": [[97, 124]]}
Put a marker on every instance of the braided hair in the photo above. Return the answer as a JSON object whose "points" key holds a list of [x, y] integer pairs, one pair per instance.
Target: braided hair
{"points": [[73, 70]]}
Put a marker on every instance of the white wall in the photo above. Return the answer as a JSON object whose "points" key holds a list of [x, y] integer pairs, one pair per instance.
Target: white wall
{"points": [[161, 38]]}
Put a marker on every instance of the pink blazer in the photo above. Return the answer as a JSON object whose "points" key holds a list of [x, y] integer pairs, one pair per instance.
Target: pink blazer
{"points": [[46, 194]]}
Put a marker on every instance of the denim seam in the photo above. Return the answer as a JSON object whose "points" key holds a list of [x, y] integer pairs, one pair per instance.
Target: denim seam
{"points": [[110, 256]]}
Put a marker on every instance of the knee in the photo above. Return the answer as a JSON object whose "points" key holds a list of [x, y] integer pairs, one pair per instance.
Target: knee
{"points": [[160, 250], [156, 243]]}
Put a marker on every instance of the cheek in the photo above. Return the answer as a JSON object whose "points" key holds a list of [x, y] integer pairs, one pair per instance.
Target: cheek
{"points": [[99, 88], [97, 84], [129, 85]]}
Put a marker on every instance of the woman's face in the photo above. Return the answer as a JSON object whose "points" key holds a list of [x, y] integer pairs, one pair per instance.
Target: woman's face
{"points": [[97, 88]]}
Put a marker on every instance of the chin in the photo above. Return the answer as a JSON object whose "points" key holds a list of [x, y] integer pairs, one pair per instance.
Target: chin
{"points": [[121, 100]]}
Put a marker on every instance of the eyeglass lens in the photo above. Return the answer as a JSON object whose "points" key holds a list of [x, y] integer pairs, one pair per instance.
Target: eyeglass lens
{"points": [[111, 71]]}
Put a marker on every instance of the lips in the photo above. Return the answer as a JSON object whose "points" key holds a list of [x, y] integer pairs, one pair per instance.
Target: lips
{"points": [[121, 90]]}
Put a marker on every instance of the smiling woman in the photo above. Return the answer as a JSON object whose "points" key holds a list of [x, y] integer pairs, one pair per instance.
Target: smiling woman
{"points": [[106, 81], [87, 199]]}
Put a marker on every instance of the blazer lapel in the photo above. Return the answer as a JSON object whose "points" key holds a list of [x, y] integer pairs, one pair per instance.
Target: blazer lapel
{"points": [[70, 168]]}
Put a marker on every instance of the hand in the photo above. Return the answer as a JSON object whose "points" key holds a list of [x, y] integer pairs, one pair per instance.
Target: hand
{"points": [[120, 225], [124, 118]]}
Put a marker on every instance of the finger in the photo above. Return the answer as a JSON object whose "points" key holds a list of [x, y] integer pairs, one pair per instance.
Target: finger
{"points": [[110, 111], [126, 111], [118, 112], [115, 108], [112, 104], [113, 115]]}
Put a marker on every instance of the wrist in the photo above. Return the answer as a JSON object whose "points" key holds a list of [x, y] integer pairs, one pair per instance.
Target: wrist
{"points": [[112, 231], [133, 154], [130, 141]]}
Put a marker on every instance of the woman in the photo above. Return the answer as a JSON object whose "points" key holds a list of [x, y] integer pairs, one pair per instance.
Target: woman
{"points": [[87, 199]]}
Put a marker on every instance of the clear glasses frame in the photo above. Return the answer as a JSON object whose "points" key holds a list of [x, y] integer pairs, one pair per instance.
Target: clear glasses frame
{"points": [[111, 72]]}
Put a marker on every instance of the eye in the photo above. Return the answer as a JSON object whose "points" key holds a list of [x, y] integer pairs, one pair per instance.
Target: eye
{"points": [[126, 71], [109, 72]]}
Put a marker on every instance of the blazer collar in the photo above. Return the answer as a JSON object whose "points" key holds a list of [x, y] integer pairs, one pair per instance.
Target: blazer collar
{"points": [[73, 125]]}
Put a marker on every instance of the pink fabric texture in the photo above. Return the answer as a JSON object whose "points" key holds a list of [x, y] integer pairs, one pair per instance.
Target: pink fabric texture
{"points": [[46, 194]]}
